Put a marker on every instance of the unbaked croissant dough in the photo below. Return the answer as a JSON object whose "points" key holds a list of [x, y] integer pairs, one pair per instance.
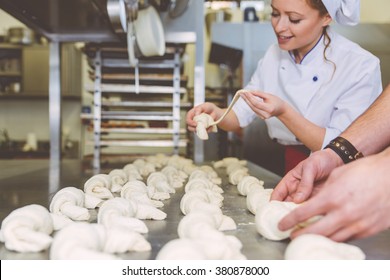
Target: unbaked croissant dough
{"points": [[144, 167], [227, 161], [118, 179], [91, 201], [27, 229], [160, 182], [159, 160], [175, 176], [200, 224], [211, 173], [133, 208], [60, 221], [202, 172], [268, 217], [217, 247], [139, 186], [134, 190], [196, 224], [318, 247], [149, 212], [235, 166], [247, 183], [193, 197], [119, 240], [69, 202], [256, 198], [202, 183], [236, 175], [99, 185], [83, 241], [119, 212], [80, 241], [132, 172], [203, 122]]}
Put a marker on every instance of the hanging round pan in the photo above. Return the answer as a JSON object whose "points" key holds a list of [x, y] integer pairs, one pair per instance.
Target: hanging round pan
{"points": [[145, 35], [178, 7], [117, 13]]}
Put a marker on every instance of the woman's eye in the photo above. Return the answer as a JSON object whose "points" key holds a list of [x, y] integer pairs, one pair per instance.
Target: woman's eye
{"points": [[295, 21], [274, 14]]}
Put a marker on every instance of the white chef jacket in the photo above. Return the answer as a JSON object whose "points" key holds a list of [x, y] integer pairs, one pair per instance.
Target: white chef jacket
{"points": [[327, 96]]}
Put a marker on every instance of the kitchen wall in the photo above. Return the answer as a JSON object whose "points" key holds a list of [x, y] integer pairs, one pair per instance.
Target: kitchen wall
{"points": [[376, 11], [21, 116], [372, 11], [7, 21]]}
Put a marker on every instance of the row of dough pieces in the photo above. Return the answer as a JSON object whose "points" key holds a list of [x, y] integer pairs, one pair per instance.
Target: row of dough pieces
{"points": [[122, 200], [269, 213], [17, 226], [200, 231]]}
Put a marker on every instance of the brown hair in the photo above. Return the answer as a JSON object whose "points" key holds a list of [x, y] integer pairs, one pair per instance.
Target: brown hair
{"points": [[320, 7]]}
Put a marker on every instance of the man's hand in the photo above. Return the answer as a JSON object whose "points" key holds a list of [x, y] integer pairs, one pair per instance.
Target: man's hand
{"points": [[307, 177], [354, 201]]}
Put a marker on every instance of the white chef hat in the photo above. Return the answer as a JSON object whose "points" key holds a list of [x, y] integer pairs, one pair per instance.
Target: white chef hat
{"points": [[346, 12]]}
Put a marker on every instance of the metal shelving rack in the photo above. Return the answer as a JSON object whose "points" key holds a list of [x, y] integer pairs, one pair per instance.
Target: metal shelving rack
{"points": [[10, 68], [144, 103]]}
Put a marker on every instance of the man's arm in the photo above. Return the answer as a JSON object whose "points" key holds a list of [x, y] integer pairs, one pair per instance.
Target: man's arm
{"points": [[370, 133]]}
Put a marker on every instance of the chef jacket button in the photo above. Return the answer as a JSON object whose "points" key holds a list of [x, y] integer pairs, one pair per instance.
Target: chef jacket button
{"points": [[315, 78]]}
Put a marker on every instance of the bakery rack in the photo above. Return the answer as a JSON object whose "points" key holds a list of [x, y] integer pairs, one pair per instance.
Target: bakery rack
{"points": [[135, 118]]}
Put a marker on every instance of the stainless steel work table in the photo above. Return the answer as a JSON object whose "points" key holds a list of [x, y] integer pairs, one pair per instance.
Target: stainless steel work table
{"points": [[24, 182]]}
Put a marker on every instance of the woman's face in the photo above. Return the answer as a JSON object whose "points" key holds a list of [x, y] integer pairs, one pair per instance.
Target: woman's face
{"points": [[297, 26]]}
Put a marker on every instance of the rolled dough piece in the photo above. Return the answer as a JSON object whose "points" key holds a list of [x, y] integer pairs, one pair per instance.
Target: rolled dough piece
{"points": [[132, 172], [119, 240], [134, 190], [144, 167], [227, 161], [247, 183], [118, 179], [99, 185], [216, 247], [119, 212], [175, 176], [318, 247], [256, 198], [202, 183], [27, 229], [80, 241], [160, 181], [203, 123], [235, 176], [268, 217], [69, 201]]}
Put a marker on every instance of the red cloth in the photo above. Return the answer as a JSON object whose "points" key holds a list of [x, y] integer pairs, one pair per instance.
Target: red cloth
{"points": [[293, 155]]}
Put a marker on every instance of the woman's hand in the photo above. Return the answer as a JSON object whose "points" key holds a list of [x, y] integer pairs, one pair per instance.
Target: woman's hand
{"points": [[209, 108], [263, 104], [266, 105]]}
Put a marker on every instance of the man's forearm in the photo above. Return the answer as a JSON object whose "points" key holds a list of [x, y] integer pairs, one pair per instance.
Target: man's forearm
{"points": [[370, 133]]}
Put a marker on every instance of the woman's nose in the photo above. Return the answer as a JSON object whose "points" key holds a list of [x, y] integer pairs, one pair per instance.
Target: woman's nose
{"points": [[281, 24]]}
